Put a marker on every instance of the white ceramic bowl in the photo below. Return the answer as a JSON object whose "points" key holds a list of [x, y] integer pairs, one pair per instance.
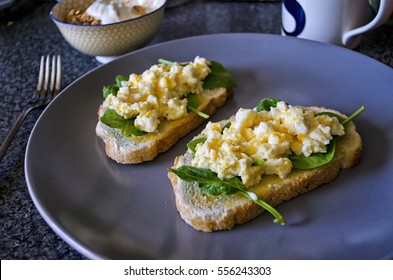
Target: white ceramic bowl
{"points": [[106, 40]]}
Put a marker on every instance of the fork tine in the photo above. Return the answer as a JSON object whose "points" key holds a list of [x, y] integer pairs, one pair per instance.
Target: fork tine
{"points": [[40, 78], [46, 78], [52, 76], [58, 76]]}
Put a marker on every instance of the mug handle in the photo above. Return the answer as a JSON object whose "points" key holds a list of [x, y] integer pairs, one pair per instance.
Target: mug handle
{"points": [[384, 12]]}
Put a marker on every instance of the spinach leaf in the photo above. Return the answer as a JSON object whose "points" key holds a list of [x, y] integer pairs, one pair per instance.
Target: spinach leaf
{"points": [[209, 183], [113, 89], [199, 113], [193, 143], [192, 105], [120, 78], [127, 127], [315, 160], [202, 175], [218, 77], [169, 62], [267, 103], [354, 115], [192, 100]]}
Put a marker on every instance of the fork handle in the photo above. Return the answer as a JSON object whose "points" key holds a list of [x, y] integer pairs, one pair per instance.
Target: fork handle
{"points": [[13, 131]]}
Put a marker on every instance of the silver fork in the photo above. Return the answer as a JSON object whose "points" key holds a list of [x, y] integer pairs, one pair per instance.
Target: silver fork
{"points": [[48, 86]]}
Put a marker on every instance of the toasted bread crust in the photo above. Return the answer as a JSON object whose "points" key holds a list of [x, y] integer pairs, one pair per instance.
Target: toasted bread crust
{"points": [[207, 213], [137, 149]]}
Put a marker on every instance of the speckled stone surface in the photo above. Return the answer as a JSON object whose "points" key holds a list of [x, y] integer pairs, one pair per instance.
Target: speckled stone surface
{"points": [[23, 233]]}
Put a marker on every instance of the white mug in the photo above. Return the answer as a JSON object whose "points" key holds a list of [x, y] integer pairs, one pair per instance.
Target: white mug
{"points": [[338, 22]]}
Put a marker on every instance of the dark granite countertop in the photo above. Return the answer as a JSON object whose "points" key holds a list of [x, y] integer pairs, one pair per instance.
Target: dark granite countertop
{"points": [[23, 232]]}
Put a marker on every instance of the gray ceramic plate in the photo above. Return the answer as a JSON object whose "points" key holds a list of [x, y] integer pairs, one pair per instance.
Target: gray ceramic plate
{"points": [[107, 210]]}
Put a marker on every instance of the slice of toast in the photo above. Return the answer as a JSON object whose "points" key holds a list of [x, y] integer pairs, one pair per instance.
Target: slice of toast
{"points": [[212, 213], [136, 149]]}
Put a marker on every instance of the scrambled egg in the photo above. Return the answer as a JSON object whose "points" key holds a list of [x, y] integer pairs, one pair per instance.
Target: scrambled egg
{"points": [[270, 136], [159, 93]]}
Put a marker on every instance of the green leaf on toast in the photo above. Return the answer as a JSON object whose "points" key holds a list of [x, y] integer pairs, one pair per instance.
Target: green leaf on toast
{"points": [[192, 100], [193, 143], [315, 160], [113, 89], [127, 127], [207, 180], [193, 103], [217, 188], [219, 77], [209, 183], [169, 62], [353, 116], [121, 78], [266, 104]]}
